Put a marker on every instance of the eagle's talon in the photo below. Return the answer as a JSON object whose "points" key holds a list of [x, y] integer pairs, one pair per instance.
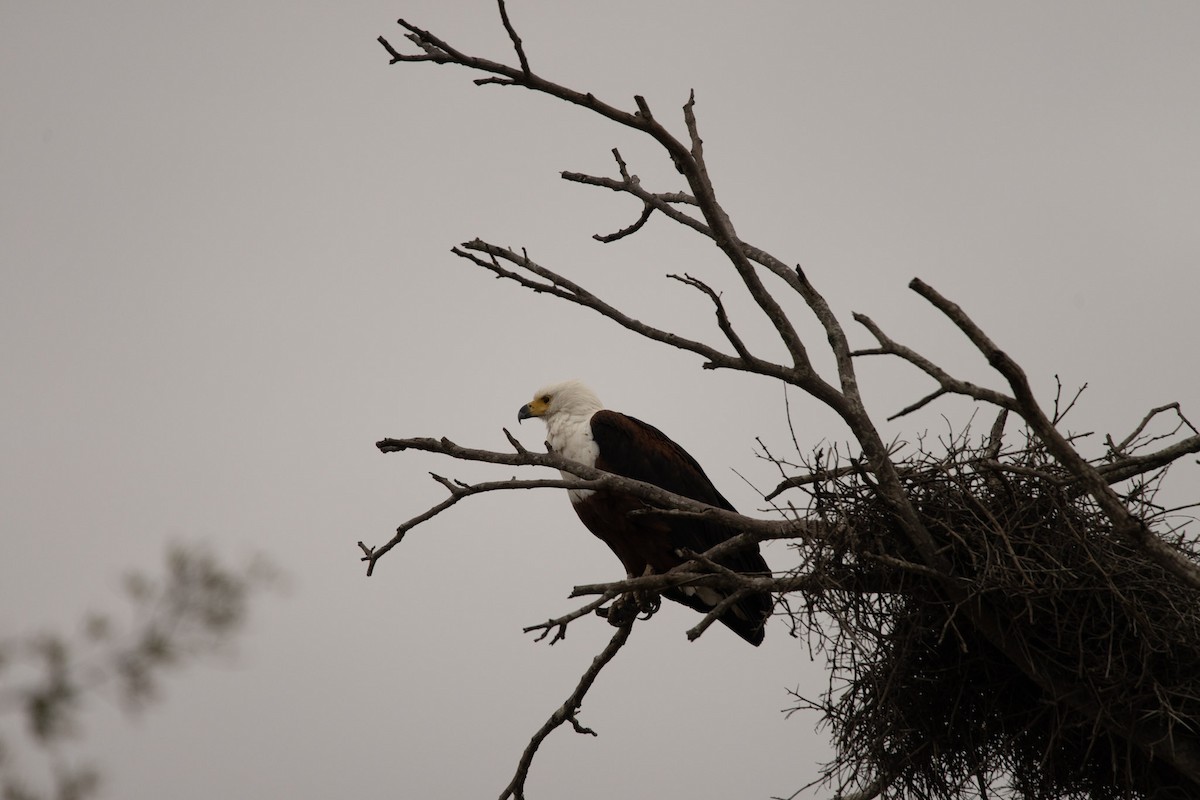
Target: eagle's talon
{"points": [[622, 610], [632, 605]]}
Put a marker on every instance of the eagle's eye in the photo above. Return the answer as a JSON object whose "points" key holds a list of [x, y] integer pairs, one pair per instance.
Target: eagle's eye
{"points": [[546, 399]]}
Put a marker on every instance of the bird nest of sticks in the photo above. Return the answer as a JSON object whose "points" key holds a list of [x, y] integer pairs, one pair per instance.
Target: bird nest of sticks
{"points": [[1063, 656]]}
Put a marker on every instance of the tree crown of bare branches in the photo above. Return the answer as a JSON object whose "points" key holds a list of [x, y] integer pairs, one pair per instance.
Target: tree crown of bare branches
{"points": [[936, 542]]}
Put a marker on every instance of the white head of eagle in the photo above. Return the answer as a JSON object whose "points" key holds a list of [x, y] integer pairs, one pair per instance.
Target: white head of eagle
{"points": [[578, 427]]}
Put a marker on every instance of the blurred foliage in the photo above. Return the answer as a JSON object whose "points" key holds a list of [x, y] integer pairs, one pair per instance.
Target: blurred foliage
{"points": [[193, 609]]}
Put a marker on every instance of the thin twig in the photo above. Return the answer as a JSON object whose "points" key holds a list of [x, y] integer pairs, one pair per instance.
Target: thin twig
{"points": [[1119, 449], [516, 40], [722, 316], [562, 622], [948, 383]]}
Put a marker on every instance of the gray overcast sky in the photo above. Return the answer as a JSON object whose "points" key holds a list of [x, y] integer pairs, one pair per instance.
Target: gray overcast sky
{"points": [[225, 273]]}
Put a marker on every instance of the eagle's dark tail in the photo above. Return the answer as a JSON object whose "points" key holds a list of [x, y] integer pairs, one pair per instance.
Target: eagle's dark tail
{"points": [[747, 617]]}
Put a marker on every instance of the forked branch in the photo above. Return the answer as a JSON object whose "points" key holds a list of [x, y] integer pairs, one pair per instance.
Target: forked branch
{"points": [[494, 258], [567, 712], [588, 478]]}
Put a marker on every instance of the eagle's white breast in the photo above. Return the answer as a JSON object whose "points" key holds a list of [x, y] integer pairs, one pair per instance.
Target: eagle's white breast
{"points": [[570, 435]]}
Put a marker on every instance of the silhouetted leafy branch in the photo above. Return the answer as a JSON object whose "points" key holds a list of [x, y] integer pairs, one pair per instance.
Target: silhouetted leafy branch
{"points": [[193, 610]]}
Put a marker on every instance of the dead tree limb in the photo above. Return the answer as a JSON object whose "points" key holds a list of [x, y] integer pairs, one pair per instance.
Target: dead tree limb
{"points": [[567, 712]]}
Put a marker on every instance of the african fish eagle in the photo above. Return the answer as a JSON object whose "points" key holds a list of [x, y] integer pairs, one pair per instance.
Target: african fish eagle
{"points": [[581, 429]]}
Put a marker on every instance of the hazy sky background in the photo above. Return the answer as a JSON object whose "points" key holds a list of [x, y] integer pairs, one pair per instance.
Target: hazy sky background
{"points": [[225, 273]]}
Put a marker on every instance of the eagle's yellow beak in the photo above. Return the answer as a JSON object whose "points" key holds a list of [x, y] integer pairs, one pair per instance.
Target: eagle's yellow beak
{"points": [[534, 408]]}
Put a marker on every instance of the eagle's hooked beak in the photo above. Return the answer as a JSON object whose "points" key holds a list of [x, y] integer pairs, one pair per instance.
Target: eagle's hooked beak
{"points": [[536, 407]]}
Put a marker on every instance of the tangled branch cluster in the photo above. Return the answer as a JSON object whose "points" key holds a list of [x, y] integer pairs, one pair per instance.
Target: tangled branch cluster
{"points": [[920, 702]]}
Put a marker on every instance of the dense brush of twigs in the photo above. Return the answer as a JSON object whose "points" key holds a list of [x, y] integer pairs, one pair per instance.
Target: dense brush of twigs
{"points": [[922, 703]]}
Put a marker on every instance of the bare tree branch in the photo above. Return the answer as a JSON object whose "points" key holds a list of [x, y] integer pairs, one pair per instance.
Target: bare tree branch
{"points": [[1131, 466], [643, 218], [561, 622], [722, 316], [1119, 449], [995, 440], [687, 159], [567, 712], [591, 478], [663, 202], [887, 346], [516, 40], [1028, 407], [686, 575], [570, 291], [457, 492]]}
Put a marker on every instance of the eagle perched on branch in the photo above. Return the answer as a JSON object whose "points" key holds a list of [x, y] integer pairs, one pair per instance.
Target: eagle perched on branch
{"points": [[578, 427]]}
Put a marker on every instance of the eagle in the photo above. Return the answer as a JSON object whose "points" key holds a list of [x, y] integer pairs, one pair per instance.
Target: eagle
{"points": [[578, 427]]}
